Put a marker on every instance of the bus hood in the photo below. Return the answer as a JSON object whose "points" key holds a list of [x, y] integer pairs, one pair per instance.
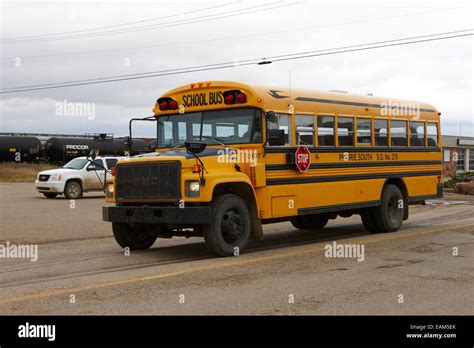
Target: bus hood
{"points": [[211, 151]]}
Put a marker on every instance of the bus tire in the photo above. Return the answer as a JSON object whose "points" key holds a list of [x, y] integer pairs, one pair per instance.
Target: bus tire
{"points": [[50, 194], [229, 231], [389, 215], [134, 238], [310, 222], [297, 222], [368, 220]]}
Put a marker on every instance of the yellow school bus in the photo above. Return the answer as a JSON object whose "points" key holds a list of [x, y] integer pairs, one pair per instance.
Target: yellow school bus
{"points": [[231, 157]]}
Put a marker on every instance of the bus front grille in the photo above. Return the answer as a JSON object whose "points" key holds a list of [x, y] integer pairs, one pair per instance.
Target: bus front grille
{"points": [[151, 181]]}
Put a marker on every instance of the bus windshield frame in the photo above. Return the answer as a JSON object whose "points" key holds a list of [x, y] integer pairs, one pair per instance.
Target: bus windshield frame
{"points": [[231, 126]]}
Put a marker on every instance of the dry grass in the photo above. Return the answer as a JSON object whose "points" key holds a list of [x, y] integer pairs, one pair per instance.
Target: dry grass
{"points": [[21, 172]]}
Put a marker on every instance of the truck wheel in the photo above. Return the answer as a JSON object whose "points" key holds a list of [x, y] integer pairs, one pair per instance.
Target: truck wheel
{"points": [[389, 215], [310, 222], [49, 194], [230, 226], [135, 238], [73, 190], [368, 220]]}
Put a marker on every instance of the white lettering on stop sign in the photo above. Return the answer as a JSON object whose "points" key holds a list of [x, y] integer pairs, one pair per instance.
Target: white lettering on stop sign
{"points": [[302, 158]]}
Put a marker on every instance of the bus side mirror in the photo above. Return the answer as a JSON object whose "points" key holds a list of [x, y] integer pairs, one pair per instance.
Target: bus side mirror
{"points": [[195, 147], [276, 137], [270, 116]]}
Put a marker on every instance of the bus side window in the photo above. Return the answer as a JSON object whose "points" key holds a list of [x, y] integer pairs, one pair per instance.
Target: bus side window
{"points": [[380, 132], [304, 130], [345, 131], [281, 122], [432, 133], [326, 131], [398, 133], [364, 131], [417, 134]]}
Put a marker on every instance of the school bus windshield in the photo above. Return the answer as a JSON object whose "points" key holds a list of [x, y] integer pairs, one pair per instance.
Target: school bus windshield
{"points": [[233, 126]]}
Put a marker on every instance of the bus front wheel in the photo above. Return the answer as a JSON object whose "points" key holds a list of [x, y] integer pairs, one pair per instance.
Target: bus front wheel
{"points": [[229, 231]]}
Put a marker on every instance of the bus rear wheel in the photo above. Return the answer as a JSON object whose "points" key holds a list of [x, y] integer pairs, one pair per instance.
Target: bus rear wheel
{"points": [[310, 222], [134, 237], [388, 216], [229, 231]]}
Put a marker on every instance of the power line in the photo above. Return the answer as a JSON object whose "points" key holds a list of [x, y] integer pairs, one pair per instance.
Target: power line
{"points": [[308, 55], [174, 23], [122, 24], [228, 38], [254, 61], [259, 59], [232, 64]]}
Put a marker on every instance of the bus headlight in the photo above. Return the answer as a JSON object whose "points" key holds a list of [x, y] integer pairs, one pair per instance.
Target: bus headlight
{"points": [[110, 190], [192, 188]]}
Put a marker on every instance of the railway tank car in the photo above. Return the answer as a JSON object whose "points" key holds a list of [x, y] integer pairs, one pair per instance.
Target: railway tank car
{"points": [[20, 149], [61, 149]]}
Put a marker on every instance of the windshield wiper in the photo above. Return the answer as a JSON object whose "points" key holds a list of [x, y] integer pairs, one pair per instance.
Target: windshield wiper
{"points": [[217, 140], [176, 146]]}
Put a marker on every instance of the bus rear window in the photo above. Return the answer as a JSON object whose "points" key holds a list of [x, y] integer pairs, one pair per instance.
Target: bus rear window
{"points": [[432, 134]]}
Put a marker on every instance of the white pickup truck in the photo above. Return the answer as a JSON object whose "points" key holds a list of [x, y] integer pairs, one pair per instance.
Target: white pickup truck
{"points": [[76, 177]]}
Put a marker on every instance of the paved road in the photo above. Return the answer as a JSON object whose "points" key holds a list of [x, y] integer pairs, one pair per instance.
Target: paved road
{"points": [[81, 270]]}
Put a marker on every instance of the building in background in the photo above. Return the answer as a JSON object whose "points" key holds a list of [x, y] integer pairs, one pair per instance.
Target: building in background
{"points": [[458, 154]]}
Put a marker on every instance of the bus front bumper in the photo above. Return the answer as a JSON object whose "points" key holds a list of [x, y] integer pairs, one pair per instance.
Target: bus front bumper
{"points": [[158, 215]]}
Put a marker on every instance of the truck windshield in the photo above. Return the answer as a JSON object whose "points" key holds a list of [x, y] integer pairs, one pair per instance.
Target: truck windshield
{"points": [[235, 126], [76, 163]]}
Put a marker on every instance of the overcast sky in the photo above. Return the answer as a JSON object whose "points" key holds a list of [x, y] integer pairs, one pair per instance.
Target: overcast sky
{"points": [[184, 34]]}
